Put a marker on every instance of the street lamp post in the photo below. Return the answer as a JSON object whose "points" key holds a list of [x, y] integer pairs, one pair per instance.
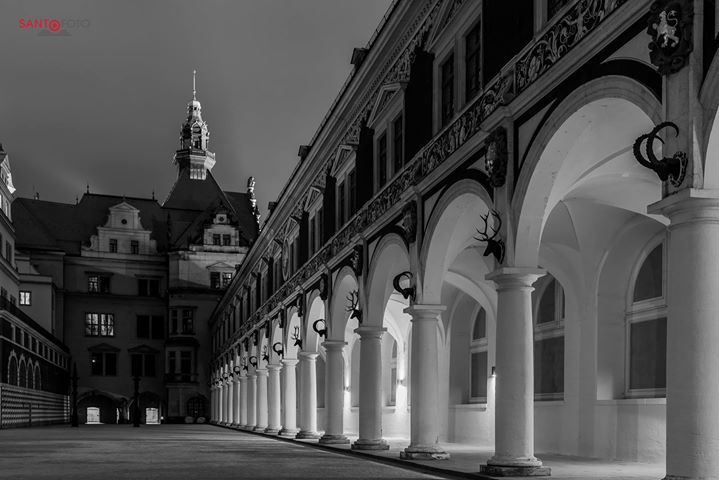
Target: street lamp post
{"points": [[136, 403]]}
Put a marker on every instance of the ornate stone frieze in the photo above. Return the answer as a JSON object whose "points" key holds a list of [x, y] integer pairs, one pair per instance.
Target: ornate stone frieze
{"points": [[495, 161], [670, 26], [580, 20]]}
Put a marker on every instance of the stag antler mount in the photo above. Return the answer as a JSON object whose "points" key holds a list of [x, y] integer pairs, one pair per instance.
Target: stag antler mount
{"points": [[296, 338], [495, 245], [265, 354], [672, 168], [353, 307]]}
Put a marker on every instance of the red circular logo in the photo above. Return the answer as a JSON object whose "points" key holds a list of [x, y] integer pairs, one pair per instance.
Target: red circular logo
{"points": [[54, 25]]}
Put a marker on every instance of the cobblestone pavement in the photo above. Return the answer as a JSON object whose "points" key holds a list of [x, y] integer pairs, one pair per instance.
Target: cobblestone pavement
{"points": [[173, 452]]}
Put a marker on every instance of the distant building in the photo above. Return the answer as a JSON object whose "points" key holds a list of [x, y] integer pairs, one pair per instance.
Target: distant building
{"points": [[131, 283], [33, 362]]}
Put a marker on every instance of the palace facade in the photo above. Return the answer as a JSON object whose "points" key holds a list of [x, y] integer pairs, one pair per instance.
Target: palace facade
{"points": [[502, 233], [129, 284]]}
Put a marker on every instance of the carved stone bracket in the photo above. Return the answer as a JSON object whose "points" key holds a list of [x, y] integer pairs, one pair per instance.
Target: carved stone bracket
{"points": [[324, 286], [355, 260], [409, 222], [495, 160], [670, 25]]}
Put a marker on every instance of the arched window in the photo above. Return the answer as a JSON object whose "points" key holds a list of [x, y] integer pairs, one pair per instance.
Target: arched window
{"points": [[22, 374], [549, 312], [647, 327], [478, 358], [12, 369], [393, 375], [38, 378]]}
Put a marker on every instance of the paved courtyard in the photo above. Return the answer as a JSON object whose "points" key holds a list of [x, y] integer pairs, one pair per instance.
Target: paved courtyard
{"points": [[173, 451]]}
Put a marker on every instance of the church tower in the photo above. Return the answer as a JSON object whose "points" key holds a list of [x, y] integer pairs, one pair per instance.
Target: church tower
{"points": [[193, 155]]}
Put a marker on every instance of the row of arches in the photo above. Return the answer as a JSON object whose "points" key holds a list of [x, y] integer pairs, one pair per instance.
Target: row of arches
{"points": [[23, 372]]}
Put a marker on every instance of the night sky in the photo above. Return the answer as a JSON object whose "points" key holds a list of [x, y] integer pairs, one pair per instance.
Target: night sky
{"points": [[103, 105]]}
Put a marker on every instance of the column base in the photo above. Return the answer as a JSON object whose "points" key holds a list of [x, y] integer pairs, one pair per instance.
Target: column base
{"points": [[419, 452], [235, 425], [334, 439], [364, 444], [516, 470], [289, 433], [272, 431], [260, 429], [249, 428], [307, 435]]}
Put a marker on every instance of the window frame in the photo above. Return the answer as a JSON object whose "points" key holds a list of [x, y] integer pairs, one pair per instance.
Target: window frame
{"points": [[551, 329], [25, 298], [480, 345], [643, 311]]}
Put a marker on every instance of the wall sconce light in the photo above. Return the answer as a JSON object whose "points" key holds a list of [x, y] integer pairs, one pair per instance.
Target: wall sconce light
{"points": [[346, 389], [403, 284], [402, 382], [494, 372], [237, 369]]}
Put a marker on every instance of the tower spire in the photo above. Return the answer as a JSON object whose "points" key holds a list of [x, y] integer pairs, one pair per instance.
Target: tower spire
{"points": [[193, 85]]}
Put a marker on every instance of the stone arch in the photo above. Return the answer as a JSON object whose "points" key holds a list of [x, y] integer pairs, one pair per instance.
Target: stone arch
{"points": [[340, 327], [604, 116], [315, 310], [294, 326], [450, 230], [276, 335], [390, 258], [13, 375]]}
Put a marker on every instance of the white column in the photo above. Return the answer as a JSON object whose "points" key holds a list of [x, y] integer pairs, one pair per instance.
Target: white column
{"points": [[228, 386], [334, 392], [236, 401], [514, 415], [692, 334], [243, 401], [251, 401], [213, 407], [231, 400], [289, 425], [223, 387], [261, 400], [424, 430], [308, 400], [273, 399], [370, 385]]}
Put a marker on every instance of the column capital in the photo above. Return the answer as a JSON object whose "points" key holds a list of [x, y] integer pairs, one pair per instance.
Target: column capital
{"points": [[334, 345], [421, 312], [274, 366], [688, 205], [517, 277], [261, 372], [312, 356], [290, 362], [370, 332]]}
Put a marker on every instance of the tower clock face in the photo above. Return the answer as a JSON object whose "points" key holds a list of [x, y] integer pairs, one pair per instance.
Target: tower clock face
{"points": [[285, 259]]}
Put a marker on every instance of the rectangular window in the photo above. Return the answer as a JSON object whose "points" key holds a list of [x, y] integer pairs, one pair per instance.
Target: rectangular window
{"points": [[549, 366], [393, 386], [103, 363], [113, 245], [352, 192], [340, 204], [648, 354], [214, 279], [216, 239], [8, 251], [311, 234], [226, 240], [381, 161], [98, 284], [226, 279], [134, 247], [143, 326], [171, 362], [188, 322], [478, 373], [25, 297], [148, 287], [99, 325], [186, 363], [320, 227], [398, 144], [142, 365], [447, 86], [173, 321], [472, 62]]}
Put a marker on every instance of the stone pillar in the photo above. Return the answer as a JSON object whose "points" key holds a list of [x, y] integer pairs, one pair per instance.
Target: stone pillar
{"points": [[273, 399], [424, 430], [692, 333], [231, 400], [213, 405], [236, 402], [223, 412], [370, 384], [243, 401], [308, 402], [251, 401], [334, 392], [289, 424], [514, 415], [261, 400]]}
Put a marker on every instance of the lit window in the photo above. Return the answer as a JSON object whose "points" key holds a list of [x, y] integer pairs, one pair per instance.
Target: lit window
{"points": [[99, 325], [226, 279], [113, 245], [25, 297], [98, 284], [214, 279]]}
